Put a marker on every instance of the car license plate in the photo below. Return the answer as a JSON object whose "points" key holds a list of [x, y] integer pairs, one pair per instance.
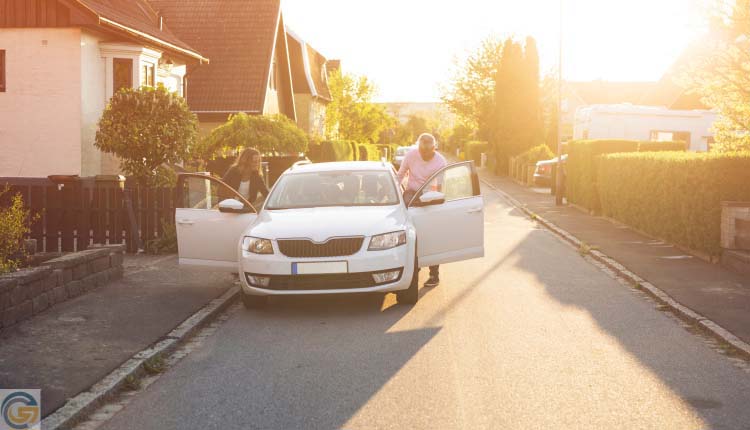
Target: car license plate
{"points": [[320, 268]]}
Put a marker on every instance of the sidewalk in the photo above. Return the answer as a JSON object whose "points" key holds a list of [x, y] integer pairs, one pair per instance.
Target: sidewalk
{"points": [[73, 345], [714, 292]]}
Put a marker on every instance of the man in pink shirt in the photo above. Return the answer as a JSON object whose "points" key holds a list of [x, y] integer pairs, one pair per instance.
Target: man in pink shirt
{"points": [[419, 165]]}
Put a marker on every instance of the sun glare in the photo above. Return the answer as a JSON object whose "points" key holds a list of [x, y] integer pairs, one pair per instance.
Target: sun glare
{"points": [[407, 47]]}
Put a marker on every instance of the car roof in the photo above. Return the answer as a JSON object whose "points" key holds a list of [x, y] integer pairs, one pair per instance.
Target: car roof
{"points": [[339, 166]]}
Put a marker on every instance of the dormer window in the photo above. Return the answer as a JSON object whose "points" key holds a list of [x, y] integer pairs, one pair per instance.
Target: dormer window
{"points": [[148, 78]]}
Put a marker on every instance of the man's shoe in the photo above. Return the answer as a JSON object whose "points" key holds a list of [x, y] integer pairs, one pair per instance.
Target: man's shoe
{"points": [[434, 281]]}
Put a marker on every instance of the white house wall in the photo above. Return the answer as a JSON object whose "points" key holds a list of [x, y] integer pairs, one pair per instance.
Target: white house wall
{"points": [[40, 112], [93, 101]]}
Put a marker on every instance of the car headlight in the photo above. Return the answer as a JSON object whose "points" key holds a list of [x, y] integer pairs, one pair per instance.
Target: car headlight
{"points": [[257, 245], [387, 241]]}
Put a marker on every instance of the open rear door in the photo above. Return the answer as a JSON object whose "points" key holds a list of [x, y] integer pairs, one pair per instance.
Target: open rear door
{"points": [[450, 219], [208, 235]]}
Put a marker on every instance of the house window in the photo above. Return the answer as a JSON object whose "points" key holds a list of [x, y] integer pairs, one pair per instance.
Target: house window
{"points": [[2, 70], [122, 73], [670, 136], [147, 75]]}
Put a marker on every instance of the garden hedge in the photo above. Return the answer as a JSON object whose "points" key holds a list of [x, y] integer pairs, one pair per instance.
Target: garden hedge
{"points": [[474, 150], [537, 153], [338, 151], [368, 152], [674, 196], [662, 146], [582, 168]]}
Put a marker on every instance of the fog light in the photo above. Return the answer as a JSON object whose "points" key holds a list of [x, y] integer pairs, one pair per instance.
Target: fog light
{"points": [[386, 277], [258, 281]]}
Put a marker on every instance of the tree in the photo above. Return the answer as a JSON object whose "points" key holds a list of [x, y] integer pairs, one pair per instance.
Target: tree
{"points": [[146, 128], [351, 114], [267, 134], [722, 80], [509, 108], [470, 93]]}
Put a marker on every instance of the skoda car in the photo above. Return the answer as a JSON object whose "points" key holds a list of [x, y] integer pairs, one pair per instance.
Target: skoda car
{"points": [[331, 228]]}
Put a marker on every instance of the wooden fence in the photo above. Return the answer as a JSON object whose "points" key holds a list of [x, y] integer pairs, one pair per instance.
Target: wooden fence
{"points": [[77, 214]]}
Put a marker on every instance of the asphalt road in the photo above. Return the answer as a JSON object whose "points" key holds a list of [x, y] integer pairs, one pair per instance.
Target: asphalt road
{"points": [[531, 336]]}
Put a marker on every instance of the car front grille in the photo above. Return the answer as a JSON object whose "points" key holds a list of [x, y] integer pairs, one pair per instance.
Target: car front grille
{"points": [[337, 247], [338, 281]]}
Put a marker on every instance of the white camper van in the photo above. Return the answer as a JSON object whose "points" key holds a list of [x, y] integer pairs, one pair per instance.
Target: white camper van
{"points": [[626, 121]]}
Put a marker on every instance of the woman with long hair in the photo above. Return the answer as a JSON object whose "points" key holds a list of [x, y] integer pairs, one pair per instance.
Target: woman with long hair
{"points": [[245, 175]]}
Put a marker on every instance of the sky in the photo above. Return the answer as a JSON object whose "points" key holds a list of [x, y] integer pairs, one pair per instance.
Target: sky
{"points": [[408, 48]]}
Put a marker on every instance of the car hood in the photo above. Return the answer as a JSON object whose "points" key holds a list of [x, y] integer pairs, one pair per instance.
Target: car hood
{"points": [[320, 224]]}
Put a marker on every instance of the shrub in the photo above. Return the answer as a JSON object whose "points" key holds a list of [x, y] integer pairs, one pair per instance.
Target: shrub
{"points": [[336, 150], [146, 128], [582, 168], [474, 150], [267, 134], [368, 152], [674, 196], [662, 146], [537, 153], [391, 150], [14, 224]]}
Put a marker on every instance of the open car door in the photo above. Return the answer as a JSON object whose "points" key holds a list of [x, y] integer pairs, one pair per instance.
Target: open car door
{"points": [[448, 213], [210, 218]]}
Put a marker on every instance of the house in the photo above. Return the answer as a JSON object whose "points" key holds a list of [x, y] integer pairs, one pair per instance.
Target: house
{"points": [[249, 70], [577, 95], [646, 123], [310, 84], [60, 63]]}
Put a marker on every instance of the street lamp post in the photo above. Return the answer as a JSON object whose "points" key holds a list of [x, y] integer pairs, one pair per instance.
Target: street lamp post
{"points": [[559, 173]]}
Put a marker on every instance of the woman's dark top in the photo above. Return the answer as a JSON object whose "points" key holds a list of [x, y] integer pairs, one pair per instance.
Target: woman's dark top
{"points": [[233, 178]]}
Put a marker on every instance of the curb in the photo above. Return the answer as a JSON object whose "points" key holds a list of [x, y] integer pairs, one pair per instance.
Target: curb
{"points": [[80, 406], [636, 281]]}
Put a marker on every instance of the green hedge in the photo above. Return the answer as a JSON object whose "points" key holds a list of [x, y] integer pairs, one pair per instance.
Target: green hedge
{"points": [[474, 150], [391, 150], [537, 153], [662, 146], [338, 151], [674, 196], [368, 152], [582, 168]]}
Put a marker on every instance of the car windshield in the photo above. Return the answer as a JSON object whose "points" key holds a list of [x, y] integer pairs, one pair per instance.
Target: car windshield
{"points": [[339, 188]]}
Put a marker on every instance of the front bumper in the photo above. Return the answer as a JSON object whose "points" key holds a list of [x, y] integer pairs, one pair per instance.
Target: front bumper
{"points": [[360, 266]]}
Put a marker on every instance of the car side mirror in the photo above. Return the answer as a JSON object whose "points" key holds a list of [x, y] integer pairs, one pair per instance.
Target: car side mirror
{"points": [[233, 206], [431, 198]]}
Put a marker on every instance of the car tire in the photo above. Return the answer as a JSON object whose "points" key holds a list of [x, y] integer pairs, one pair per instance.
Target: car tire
{"points": [[253, 302], [410, 296]]}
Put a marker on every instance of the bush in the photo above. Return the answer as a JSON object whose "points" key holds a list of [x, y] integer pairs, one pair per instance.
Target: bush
{"points": [[674, 196], [14, 224], [662, 146], [336, 150], [391, 150], [146, 128], [537, 153], [582, 168], [474, 150], [368, 152], [267, 134]]}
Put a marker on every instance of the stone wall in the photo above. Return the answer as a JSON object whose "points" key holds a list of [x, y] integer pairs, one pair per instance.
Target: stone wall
{"points": [[28, 292]]}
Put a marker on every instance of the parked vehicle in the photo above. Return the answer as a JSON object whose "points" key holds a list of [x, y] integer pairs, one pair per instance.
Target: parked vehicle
{"points": [[543, 172], [331, 228], [401, 152]]}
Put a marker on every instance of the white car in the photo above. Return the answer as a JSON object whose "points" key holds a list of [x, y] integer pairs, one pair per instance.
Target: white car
{"points": [[331, 228]]}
